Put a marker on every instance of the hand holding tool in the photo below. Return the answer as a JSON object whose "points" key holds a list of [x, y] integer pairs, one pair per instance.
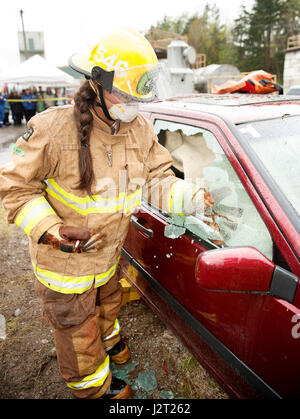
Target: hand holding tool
{"points": [[72, 239]]}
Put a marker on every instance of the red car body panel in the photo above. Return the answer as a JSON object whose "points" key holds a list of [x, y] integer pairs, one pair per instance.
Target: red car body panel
{"points": [[243, 336]]}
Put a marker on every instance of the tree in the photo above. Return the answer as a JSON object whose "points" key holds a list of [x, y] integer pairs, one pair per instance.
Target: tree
{"points": [[256, 41], [290, 18], [264, 18], [207, 35], [177, 25], [240, 37], [261, 34]]}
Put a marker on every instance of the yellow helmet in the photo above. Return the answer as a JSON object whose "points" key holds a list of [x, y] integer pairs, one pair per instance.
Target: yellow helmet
{"points": [[122, 61]]}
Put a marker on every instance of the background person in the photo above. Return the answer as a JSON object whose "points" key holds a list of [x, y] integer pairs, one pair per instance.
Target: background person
{"points": [[2, 103], [29, 107], [6, 112], [48, 95], [40, 104], [16, 108], [58, 94]]}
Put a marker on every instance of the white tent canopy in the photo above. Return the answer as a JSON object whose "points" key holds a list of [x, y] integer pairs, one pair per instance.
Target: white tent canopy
{"points": [[36, 70]]}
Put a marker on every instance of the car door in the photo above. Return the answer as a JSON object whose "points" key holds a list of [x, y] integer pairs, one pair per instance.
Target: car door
{"points": [[167, 248]]}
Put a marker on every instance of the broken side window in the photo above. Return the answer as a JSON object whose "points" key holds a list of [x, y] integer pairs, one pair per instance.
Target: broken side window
{"points": [[199, 159]]}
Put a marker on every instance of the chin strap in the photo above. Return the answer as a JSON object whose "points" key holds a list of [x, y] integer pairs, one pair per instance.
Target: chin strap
{"points": [[102, 103]]}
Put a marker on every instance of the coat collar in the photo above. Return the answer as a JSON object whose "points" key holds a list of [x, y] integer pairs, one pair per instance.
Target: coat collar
{"points": [[119, 129]]}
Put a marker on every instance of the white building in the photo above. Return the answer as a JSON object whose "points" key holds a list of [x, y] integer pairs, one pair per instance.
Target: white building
{"points": [[291, 71], [34, 44]]}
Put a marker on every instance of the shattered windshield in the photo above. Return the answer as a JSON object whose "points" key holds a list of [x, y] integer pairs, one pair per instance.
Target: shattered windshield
{"points": [[276, 142]]}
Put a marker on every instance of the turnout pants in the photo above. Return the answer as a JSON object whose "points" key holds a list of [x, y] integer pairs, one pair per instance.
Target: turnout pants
{"points": [[85, 327]]}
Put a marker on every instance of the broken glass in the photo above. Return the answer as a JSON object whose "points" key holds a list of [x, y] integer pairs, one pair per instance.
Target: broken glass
{"points": [[233, 220], [146, 381]]}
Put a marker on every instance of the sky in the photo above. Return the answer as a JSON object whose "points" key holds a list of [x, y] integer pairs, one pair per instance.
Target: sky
{"points": [[70, 27]]}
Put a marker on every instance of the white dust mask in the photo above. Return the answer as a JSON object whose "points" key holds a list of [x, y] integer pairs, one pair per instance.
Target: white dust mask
{"points": [[124, 112]]}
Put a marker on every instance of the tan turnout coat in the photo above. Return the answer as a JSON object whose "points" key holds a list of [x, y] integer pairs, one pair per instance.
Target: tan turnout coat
{"points": [[38, 189]]}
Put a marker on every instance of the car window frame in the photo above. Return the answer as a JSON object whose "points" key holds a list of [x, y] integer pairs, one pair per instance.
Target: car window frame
{"points": [[284, 203], [275, 214], [264, 199], [222, 140]]}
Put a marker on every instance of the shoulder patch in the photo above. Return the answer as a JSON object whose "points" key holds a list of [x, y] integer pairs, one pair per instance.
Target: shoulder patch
{"points": [[16, 149], [27, 134]]}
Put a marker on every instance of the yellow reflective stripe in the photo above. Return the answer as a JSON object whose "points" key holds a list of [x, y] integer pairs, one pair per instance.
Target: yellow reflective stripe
{"points": [[102, 279], [86, 205], [137, 200], [93, 380], [28, 208], [79, 199], [176, 198], [72, 284], [115, 331], [43, 214], [137, 203], [35, 211], [63, 201], [63, 283]]}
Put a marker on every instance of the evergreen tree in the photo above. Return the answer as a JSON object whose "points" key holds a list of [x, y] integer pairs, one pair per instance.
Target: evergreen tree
{"points": [[261, 34], [240, 38], [263, 21], [290, 18]]}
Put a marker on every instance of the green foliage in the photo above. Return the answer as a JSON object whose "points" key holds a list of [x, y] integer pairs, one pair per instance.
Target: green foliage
{"points": [[177, 25], [256, 40], [261, 34]]}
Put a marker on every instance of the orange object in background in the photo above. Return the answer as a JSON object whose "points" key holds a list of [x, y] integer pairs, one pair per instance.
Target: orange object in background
{"points": [[259, 82]]}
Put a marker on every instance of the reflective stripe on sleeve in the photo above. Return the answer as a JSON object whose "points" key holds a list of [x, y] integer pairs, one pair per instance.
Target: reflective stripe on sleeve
{"points": [[33, 212], [133, 201], [176, 198], [87, 205], [93, 380], [115, 331], [72, 284]]}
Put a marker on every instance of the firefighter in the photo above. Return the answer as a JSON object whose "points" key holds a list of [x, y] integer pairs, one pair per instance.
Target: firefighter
{"points": [[77, 175]]}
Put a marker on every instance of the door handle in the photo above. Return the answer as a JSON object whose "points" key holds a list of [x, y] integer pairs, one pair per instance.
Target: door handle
{"points": [[134, 221]]}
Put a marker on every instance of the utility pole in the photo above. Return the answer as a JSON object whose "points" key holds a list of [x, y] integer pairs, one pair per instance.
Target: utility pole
{"points": [[24, 35]]}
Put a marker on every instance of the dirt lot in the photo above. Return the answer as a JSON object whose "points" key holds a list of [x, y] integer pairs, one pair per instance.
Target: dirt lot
{"points": [[160, 366]]}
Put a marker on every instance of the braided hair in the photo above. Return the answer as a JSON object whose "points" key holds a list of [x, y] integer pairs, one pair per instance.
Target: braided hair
{"points": [[84, 99]]}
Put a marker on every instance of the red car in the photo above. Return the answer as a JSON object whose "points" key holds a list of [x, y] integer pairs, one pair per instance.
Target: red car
{"points": [[227, 284]]}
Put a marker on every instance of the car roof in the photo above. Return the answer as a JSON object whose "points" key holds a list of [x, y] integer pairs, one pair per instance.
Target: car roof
{"points": [[237, 108]]}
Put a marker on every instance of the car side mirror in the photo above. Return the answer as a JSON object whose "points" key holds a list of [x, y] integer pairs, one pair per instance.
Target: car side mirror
{"points": [[244, 270]]}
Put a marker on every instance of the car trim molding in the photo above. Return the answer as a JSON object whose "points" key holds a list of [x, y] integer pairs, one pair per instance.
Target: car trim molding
{"points": [[246, 373]]}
